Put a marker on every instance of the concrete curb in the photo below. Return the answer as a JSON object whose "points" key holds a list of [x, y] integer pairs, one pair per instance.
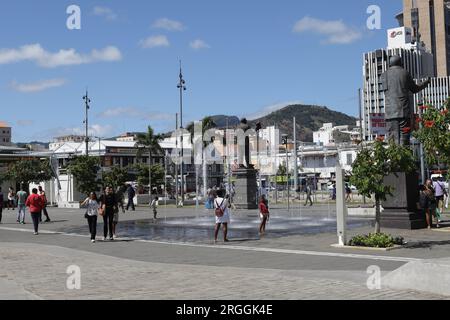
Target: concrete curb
{"points": [[367, 248]]}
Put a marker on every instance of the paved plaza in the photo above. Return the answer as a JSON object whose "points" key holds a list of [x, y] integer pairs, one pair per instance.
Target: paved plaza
{"points": [[151, 260]]}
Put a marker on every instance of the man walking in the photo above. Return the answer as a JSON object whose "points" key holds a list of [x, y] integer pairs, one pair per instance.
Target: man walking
{"points": [[440, 193], [44, 205], [131, 194], [21, 205], [308, 194]]}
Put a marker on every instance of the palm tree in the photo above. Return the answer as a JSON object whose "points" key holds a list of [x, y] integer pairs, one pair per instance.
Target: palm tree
{"points": [[149, 141], [207, 124]]}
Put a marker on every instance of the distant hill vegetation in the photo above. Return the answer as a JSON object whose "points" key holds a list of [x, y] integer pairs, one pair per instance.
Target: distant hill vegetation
{"points": [[309, 118]]}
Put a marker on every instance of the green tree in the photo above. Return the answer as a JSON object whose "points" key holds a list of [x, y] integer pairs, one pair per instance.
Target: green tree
{"points": [[85, 171], [373, 164], [434, 134], [157, 174], [149, 142], [115, 177], [29, 171]]}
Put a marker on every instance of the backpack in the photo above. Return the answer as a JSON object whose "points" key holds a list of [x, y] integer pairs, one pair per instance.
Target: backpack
{"points": [[219, 211]]}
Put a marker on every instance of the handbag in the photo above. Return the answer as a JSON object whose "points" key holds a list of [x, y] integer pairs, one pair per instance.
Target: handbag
{"points": [[219, 211], [101, 211], [86, 216]]}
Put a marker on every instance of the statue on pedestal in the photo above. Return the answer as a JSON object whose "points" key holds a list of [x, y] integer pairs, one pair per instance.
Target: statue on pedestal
{"points": [[399, 86], [244, 151]]}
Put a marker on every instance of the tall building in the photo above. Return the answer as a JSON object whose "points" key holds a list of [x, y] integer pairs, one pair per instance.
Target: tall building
{"points": [[5, 134], [432, 17], [418, 62]]}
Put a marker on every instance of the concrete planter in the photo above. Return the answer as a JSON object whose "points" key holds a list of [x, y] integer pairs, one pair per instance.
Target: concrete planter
{"points": [[367, 248]]}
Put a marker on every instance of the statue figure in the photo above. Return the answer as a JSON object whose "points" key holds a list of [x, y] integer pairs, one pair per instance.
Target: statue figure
{"points": [[399, 86], [244, 151]]}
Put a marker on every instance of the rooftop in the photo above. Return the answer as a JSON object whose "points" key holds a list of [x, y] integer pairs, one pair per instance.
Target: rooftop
{"points": [[4, 125]]}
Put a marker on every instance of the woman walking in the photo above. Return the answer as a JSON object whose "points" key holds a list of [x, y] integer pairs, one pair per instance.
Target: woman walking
{"points": [[109, 206], [222, 206], [92, 214], [11, 199], [431, 203], [34, 202], [264, 214]]}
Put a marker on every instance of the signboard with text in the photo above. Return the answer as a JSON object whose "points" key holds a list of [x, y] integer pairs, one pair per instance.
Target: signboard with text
{"points": [[378, 124]]}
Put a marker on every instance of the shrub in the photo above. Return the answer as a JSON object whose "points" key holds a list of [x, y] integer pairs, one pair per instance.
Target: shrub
{"points": [[377, 240]]}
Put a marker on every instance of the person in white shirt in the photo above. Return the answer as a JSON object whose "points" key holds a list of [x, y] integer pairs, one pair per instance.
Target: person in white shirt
{"points": [[222, 211], [92, 214]]}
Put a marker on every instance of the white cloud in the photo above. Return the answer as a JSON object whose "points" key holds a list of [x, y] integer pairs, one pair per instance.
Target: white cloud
{"points": [[105, 12], [35, 53], [155, 42], [37, 86], [334, 31], [270, 109], [169, 25], [199, 44], [94, 130], [131, 112]]}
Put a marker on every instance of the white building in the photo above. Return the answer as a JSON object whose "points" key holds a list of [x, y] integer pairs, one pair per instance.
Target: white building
{"points": [[419, 62], [327, 134]]}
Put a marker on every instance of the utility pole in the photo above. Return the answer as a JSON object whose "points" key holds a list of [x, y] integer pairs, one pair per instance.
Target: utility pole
{"points": [[285, 141], [416, 27], [182, 87], [295, 157], [178, 157], [86, 120]]}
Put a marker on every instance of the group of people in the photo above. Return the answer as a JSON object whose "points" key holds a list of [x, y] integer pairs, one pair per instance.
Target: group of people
{"points": [[433, 196], [108, 206], [36, 202]]}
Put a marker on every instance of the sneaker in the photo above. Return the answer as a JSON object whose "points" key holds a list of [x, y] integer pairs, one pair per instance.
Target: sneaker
{"points": [[23, 222], [36, 233], [104, 238], [93, 241], [18, 221], [111, 238], [48, 220]]}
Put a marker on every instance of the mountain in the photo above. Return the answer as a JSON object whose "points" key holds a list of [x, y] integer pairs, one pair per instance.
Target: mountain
{"points": [[309, 118], [221, 121]]}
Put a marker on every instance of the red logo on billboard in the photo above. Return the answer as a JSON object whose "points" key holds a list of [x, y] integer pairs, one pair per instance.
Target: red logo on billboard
{"points": [[396, 33]]}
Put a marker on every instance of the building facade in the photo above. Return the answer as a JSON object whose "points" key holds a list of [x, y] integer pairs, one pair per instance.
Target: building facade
{"points": [[417, 60], [433, 20], [5, 134]]}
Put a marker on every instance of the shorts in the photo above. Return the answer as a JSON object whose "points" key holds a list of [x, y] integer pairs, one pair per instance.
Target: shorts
{"points": [[440, 198]]}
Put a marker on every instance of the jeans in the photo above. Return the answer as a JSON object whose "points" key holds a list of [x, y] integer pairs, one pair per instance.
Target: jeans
{"points": [[131, 203], [92, 221], [21, 214], [35, 216], [44, 210], [108, 223]]}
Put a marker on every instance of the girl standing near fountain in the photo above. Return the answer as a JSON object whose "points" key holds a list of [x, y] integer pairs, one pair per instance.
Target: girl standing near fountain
{"points": [[264, 214], [222, 211]]}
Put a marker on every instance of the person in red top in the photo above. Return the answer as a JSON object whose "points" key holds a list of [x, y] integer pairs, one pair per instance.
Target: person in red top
{"points": [[34, 202], [44, 205], [264, 214]]}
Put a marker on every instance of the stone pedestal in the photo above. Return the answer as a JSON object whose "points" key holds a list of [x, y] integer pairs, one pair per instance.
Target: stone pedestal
{"points": [[401, 210], [246, 189]]}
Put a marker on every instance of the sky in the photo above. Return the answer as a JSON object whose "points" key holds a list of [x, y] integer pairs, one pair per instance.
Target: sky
{"points": [[242, 58]]}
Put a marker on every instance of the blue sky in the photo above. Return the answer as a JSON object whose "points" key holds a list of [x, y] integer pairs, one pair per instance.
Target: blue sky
{"points": [[240, 58]]}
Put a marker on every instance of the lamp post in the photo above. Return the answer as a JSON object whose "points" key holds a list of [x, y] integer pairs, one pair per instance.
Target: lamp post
{"points": [[181, 86], [86, 120], [258, 128], [285, 142]]}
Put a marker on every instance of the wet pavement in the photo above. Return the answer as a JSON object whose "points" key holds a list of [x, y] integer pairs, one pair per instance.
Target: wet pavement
{"points": [[242, 227]]}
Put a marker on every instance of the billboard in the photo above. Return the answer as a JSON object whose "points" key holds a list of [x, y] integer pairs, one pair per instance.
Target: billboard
{"points": [[378, 124]]}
